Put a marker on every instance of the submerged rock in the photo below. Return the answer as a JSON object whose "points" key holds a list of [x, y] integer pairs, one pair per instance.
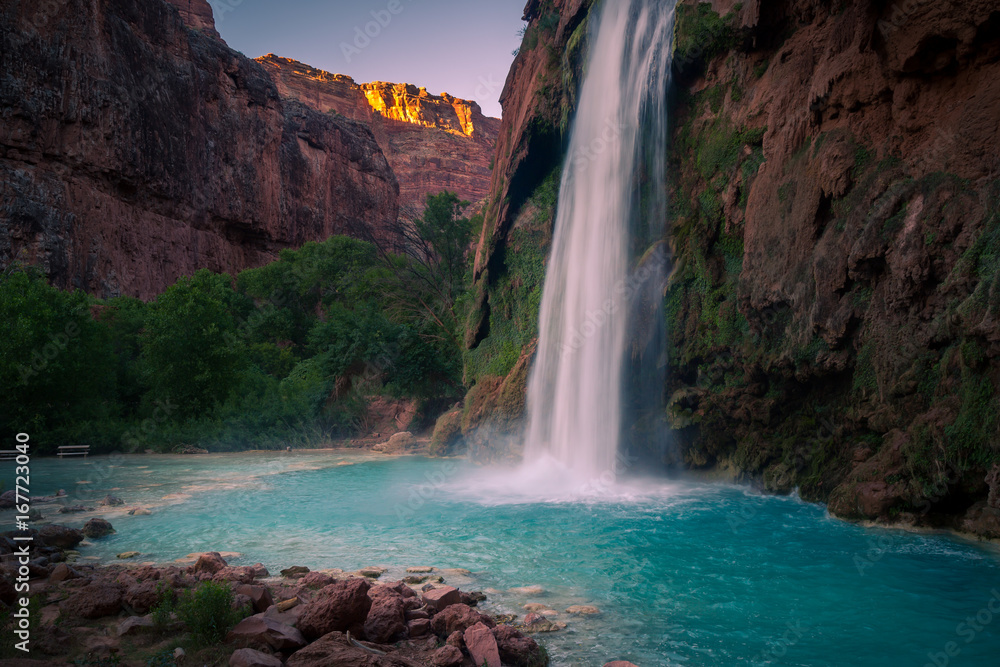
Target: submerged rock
{"points": [[111, 501], [537, 623], [97, 528], [583, 610], [60, 536]]}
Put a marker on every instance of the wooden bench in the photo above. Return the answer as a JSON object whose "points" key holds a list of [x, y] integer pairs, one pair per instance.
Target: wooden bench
{"points": [[74, 450], [8, 454]]}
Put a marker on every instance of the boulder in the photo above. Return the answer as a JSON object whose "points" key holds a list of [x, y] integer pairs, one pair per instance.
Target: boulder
{"points": [[423, 579], [142, 596], [458, 618], [516, 649], [8, 499], [93, 601], [75, 509], [437, 599], [316, 580], [209, 563], [259, 571], [295, 572], [139, 511], [62, 572], [243, 575], [418, 627], [482, 645], [338, 607], [473, 598], [334, 649], [247, 657], [60, 536], [259, 596], [259, 631], [420, 570], [126, 555], [447, 656], [387, 616], [97, 528], [134, 625], [111, 501], [8, 594]]}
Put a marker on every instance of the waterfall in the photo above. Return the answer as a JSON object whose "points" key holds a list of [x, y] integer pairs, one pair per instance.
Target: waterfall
{"points": [[618, 141]]}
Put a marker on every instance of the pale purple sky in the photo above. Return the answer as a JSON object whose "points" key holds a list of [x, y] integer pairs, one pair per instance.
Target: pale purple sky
{"points": [[462, 47]]}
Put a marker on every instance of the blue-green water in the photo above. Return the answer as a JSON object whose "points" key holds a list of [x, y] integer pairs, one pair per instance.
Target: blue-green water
{"points": [[684, 573]]}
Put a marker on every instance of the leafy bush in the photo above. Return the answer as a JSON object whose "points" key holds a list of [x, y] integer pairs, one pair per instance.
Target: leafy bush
{"points": [[208, 612], [166, 603]]}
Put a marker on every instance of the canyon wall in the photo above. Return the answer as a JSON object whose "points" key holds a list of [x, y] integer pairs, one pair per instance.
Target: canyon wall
{"points": [[833, 303], [432, 142], [134, 150]]}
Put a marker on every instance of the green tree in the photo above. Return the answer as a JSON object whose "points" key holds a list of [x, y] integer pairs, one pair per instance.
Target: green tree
{"points": [[190, 345], [56, 363], [431, 264]]}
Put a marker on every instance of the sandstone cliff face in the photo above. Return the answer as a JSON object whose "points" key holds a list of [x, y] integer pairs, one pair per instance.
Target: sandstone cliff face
{"points": [[538, 99], [134, 150], [433, 143], [834, 304], [197, 14]]}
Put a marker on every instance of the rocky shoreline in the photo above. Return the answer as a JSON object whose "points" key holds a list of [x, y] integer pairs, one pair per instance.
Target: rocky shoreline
{"points": [[114, 614]]}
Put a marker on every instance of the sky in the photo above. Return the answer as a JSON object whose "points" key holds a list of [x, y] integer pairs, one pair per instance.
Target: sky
{"points": [[462, 47]]}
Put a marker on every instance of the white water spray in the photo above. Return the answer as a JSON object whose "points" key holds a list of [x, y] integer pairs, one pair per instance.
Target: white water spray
{"points": [[575, 398]]}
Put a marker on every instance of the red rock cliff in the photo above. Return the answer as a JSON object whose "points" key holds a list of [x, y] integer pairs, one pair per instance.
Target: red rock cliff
{"points": [[432, 142], [134, 150], [197, 14]]}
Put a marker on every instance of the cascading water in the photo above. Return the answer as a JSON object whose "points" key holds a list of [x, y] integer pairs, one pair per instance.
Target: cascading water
{"points": [[575, 394]]}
